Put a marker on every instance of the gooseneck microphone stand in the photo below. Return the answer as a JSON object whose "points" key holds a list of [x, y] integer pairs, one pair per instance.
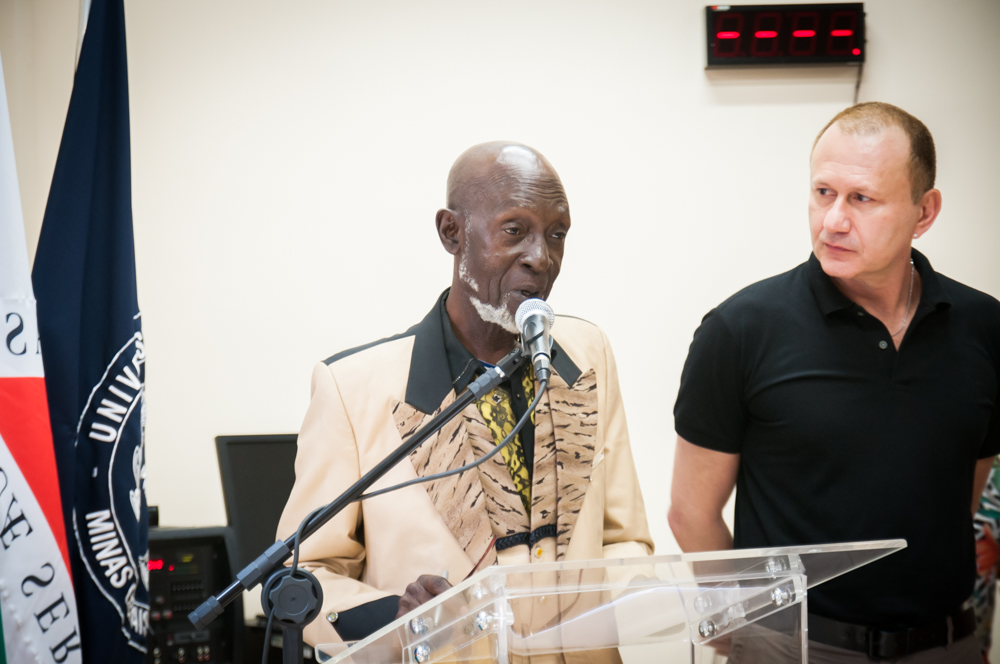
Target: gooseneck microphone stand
{"points": [[294, 597]]}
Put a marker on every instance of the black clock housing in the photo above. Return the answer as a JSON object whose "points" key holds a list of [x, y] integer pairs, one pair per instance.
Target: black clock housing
{"points": [[762, 35]]}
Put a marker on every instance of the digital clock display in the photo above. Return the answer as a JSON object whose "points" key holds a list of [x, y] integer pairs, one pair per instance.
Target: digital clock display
{"points": [[785, 34]]}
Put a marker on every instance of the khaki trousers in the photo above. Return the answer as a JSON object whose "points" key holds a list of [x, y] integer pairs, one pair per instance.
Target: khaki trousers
{"points": [[760, 645]]}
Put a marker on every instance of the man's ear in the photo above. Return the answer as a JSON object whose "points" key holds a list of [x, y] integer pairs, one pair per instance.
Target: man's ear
{"points": [[930, 206], [449, 228]]}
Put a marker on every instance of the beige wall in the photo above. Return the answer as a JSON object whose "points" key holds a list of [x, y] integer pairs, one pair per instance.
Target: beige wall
{"points": [[288, 159], [38, 47]]}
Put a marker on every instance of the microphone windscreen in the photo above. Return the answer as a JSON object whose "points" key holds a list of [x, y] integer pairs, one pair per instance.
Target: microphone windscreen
{"points": [[531, 306]]}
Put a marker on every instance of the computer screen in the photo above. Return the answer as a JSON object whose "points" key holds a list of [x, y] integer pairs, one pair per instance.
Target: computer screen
{"points": [[257, 476]]}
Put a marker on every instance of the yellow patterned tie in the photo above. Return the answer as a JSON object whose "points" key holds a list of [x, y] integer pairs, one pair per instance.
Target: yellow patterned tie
{"points": [[496, 410]]}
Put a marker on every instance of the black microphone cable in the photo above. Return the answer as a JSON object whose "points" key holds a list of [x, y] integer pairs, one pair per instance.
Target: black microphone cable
{"points": [[483, 459]]}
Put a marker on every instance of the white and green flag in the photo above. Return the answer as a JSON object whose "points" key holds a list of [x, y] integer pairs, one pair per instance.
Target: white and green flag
{"points": [[38, 613]]}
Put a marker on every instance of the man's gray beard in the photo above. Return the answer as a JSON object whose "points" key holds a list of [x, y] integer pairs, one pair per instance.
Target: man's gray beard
{"points": [[497, 315], [463, 273]]}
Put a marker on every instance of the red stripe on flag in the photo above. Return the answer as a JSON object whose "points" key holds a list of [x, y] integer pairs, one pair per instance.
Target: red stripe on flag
{"points": [[24, 426]]}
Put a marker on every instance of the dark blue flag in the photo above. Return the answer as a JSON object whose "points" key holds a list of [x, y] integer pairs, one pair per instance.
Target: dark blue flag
{"points": [[91, 336]]}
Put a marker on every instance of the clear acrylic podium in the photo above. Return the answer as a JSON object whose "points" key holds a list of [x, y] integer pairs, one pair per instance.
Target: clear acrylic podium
{"points": [[674, 608]]}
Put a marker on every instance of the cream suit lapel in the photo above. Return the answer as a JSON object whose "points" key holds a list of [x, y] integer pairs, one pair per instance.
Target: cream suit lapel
{"points": [[478, 506], [565, 445], [459, 499], [543, 474]]}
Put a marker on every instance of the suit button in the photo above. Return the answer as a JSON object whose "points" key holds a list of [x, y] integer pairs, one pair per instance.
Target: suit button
{"points": [[538, 552]]}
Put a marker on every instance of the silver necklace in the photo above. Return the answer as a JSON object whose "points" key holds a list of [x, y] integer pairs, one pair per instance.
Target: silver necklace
{"points": [[909, 300]]}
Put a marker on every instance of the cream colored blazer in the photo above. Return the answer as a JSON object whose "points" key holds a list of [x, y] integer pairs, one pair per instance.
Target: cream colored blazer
{"points": [[365, 402]]}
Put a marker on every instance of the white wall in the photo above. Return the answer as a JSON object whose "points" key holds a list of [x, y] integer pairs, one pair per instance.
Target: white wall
{"points": [[38, 47], [288, 159]]}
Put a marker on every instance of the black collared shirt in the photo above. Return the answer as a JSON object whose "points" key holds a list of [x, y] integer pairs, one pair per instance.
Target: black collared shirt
{"points": [[843, 438], [465, 368]]}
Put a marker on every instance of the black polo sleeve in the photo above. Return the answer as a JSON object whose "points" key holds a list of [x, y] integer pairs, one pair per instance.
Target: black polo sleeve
{"points": [[991, 324], [710, 411], [991, 443]]}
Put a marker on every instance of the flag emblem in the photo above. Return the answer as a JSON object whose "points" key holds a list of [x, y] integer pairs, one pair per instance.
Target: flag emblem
{"points": [[113, 423]]}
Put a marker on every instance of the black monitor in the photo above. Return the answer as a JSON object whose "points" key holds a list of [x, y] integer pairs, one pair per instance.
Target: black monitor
{"points": [[257, 476]]}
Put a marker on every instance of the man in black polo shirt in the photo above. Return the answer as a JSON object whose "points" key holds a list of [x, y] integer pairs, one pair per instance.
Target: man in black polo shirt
{"points": [[852, 398]]}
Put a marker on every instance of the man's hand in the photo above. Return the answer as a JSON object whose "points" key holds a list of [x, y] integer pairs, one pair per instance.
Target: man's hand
{"points": [[425, 588]]}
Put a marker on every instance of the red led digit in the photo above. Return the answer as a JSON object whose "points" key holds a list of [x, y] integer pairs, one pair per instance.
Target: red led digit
{"points": [[856, 51], [804, 26], [841, 39], [728, 26], [765, 30]]}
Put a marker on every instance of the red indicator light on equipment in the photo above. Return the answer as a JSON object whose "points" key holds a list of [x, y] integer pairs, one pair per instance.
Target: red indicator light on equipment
{"points": [[170, 569], [856, 51], [155, 564], [765, 34], [841, 33], [804, 33], [728, 35]]}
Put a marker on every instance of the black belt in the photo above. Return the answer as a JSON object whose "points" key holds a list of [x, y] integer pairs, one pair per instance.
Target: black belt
{"points": [[879, 644]]}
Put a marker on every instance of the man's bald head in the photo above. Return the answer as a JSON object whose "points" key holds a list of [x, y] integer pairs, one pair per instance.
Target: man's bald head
{"points": [[496, 173], [505, 224]]}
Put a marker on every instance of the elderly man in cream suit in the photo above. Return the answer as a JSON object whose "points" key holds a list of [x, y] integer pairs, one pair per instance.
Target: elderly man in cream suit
{"points": [[567, 489]]}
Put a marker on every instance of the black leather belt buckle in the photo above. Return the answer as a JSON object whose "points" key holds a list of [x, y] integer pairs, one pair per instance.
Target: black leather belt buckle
{"points": [[888, 645], [879, 645]]}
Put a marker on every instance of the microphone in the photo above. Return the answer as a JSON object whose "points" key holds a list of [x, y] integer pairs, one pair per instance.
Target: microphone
{"points": [[534, 319]]}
